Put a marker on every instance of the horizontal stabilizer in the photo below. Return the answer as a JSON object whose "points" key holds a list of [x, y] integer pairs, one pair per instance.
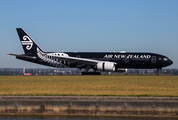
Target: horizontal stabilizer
{"points": [[22, 56]]}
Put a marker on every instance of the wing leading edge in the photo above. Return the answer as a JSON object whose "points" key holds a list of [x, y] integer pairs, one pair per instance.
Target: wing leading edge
{"points": [[77, 60]]}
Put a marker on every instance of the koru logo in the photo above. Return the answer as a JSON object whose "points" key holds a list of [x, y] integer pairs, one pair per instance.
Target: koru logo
{"points": [[28, 42]]}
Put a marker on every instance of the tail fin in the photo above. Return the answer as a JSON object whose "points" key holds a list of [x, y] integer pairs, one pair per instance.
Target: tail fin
{"points": [[29, 46]]}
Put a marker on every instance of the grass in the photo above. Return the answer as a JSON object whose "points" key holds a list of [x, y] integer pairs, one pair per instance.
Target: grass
{"points": [[89, 85]]}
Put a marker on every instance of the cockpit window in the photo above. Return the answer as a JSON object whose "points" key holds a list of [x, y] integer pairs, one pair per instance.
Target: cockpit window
{"points": [[165, 59]]}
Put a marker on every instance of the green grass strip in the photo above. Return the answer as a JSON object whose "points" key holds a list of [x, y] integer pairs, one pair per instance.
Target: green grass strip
{"points": [[89, 86]]}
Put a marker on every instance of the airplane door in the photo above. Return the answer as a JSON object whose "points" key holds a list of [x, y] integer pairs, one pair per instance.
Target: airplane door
{"points": [[153, 59], [126, 60]]}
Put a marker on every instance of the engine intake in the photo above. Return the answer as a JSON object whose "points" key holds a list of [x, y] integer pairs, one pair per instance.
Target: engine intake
{"points": [[106, 66]]}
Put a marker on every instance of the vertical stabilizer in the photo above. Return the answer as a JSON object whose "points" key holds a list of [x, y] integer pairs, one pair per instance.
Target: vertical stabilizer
{"points": [[29, 46]]}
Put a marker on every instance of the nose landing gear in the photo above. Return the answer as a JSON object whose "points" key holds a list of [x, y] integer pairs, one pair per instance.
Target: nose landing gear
{"points": [[157, 71]]}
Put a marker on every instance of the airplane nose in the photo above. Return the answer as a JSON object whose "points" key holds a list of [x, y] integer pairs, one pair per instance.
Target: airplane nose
{"points": [[170, 62]]}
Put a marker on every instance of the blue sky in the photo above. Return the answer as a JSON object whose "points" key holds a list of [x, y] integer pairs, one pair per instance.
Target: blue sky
{"points": [[89, 25]]}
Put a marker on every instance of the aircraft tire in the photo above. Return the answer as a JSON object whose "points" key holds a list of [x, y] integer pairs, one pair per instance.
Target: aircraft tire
{"points": [[157, 73]]}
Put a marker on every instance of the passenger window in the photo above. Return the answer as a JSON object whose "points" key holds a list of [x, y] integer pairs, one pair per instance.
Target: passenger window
{"points": [[78, 56]]}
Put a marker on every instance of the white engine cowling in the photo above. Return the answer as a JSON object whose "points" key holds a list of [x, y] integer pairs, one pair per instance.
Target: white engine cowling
{"points": [[106, 66]]}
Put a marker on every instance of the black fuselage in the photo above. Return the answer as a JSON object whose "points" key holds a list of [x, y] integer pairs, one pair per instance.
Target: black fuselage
{"points": [[127, 60], [123, 60]]}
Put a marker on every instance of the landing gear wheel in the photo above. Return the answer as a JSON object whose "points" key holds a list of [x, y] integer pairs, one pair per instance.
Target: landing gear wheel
{"points": [[157, 71]]}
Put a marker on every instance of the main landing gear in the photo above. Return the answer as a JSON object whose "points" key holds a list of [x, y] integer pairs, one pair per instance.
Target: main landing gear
{"points": [[86, 72], [157, 71]]}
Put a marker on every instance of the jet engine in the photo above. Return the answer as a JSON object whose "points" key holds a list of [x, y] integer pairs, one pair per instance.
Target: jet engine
{"points": [[106, 66]]}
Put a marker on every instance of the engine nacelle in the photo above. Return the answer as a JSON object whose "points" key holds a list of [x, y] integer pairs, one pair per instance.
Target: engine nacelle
{"points": [[106, 66]]}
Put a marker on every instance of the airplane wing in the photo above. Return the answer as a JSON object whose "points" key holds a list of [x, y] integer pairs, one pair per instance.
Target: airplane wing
{"points": [[83, 61]]}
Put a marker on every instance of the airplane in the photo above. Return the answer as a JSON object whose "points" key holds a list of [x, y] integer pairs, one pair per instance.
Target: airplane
{"points": [[96, 62]]}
